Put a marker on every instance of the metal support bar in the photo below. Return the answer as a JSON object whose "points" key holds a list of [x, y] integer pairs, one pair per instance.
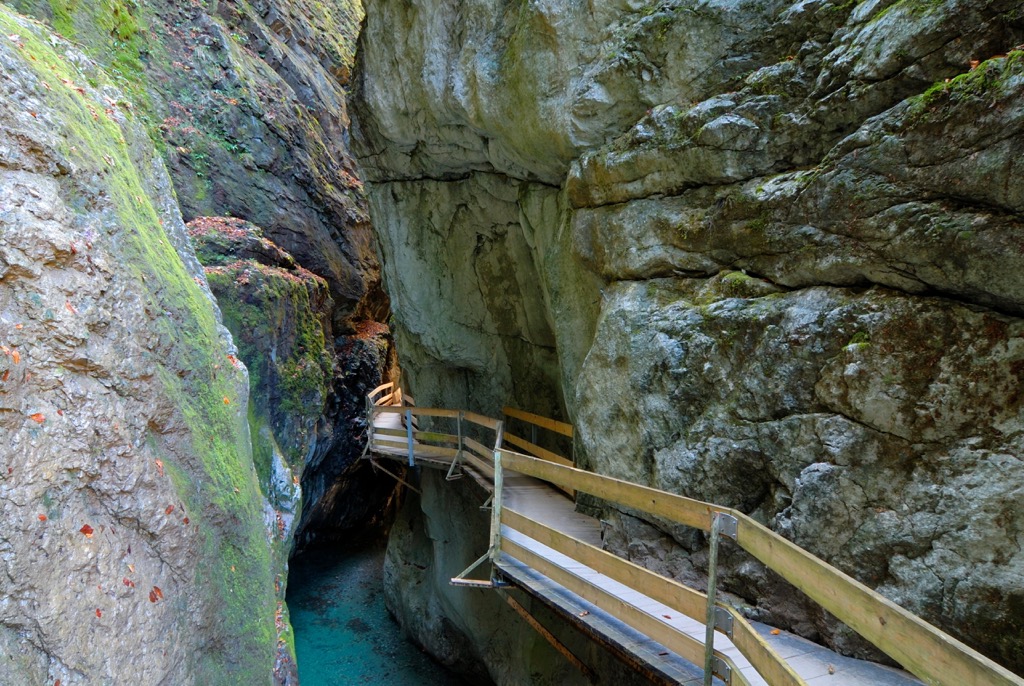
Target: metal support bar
{"points": [[499, 435], [487, 503], [709, 624], [369, 427], [465, 572], [452, 475], [408, 431]]}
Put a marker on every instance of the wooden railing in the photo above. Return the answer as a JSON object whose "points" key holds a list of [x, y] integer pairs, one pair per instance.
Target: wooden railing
{"points": [[921, 648]]}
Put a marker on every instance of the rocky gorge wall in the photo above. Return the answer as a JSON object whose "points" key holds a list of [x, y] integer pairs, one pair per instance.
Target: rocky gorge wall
{"points": [[151, 454], [136, 546], [765, 254], [246, 105]]}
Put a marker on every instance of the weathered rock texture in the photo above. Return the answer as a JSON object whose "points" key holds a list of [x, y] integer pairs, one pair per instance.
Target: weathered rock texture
{"points": [[247, 104], [247, 100], [761, 253], [135, 547], [307, 413]]}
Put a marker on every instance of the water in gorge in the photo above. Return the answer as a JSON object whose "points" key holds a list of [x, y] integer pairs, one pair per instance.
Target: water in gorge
{"points": [[343, 633]]}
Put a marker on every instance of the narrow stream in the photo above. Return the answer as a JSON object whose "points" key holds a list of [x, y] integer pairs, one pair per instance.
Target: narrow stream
{"points": [[343, 633]]}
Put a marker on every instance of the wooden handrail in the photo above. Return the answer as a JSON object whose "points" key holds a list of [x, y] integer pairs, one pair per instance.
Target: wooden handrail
{"points": [[684, 599], [545, 422], [925, 651], [382, 387], [679, 642]]}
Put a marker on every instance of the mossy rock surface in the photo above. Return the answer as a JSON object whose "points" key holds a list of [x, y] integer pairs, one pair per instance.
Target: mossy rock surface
{"points": [[137, 467]]}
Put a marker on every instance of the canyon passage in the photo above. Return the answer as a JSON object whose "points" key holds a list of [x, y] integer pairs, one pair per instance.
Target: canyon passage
{"points": [[762, 254]]}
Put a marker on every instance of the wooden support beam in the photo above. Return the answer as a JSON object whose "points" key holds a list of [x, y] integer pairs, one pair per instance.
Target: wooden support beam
{"points": [[549, 637]]}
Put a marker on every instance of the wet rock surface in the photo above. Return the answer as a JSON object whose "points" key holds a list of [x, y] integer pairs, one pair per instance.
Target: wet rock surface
{"points": [[775, 249]]}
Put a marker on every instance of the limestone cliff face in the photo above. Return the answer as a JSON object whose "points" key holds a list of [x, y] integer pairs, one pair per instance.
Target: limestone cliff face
{"points": [[760, 253], [136, 545], [246, 103], [308, 387]]}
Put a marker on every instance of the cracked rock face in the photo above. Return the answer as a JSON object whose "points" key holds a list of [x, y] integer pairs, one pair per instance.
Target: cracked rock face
{"points": [[134, 547], [767, 251]]}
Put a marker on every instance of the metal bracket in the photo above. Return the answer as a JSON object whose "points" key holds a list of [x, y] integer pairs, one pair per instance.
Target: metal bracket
{"points": [[723, 621], [462, 580], [722, 670], [728, 525]]}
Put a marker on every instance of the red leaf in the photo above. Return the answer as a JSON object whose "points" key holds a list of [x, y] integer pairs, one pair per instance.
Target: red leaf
{"points": [[16, 356], [56, 683], [159, 467], [667, 616], [7, 374], [42, 518], [169, 510], [185, 521], [128, 582], [69, 307], [99, 613], [226, 401], [37, 417], [87, 530], [152, 597], [158, 592]]}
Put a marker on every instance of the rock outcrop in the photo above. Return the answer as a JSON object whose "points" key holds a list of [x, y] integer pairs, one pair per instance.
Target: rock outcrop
{"points": [[760, 253], [135, 547], [247, 101], [307, 411]]}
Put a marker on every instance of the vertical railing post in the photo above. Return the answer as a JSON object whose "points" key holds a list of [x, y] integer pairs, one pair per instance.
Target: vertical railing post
{"points": [[458, 428], [499, 435], [499, 478], [408, 433], [452, 474], [709, 632]]}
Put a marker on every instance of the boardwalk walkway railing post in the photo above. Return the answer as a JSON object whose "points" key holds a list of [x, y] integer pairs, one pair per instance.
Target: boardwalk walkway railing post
{"points": [[499, 479], [408, 431], [710, 666]]}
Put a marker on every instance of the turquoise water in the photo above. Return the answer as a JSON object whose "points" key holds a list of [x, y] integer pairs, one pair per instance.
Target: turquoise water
{"points": [[343, 633]]}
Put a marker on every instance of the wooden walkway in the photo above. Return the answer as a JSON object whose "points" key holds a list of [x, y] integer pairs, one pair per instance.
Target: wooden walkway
{"points": [[584, 595]]}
